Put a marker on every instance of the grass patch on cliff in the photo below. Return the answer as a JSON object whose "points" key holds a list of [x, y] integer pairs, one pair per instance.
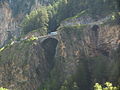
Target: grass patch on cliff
{"points": [[3, 88]]}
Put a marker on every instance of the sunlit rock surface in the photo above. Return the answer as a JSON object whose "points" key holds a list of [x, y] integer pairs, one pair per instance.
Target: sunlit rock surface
{"points": [[28, 64], [82, 52]]}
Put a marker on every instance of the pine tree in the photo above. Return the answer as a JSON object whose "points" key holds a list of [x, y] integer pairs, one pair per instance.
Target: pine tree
{"points": [[37, 19]]}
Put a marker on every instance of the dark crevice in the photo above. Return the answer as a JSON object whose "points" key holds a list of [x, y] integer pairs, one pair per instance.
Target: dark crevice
{"points": [[95, 32], [49, 45], [95, 29]]}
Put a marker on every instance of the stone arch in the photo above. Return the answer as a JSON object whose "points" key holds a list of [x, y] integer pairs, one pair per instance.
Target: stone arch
{"points": [[49, 45]]}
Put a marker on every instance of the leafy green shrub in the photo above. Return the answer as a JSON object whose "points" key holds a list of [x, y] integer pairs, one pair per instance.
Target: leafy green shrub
{"points": [[3, 88], [32, 38], [1, 49], [108, 86]]}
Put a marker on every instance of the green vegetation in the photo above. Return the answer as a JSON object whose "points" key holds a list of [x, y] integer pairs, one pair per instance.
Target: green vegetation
{"points": [[45, 18], [1, 49], [3, 88], [48, 18], [19, 49], [89, 70], [96, 8], [108, 86], [57, 12], [63, 9], [37, 19], [69, 86], [114, 20], [32, 38], [82, 78], [10, 43]]}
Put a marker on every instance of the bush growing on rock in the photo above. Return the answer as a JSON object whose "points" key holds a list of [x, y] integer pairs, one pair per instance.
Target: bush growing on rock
{"points": [[3, 88], [108, 86]]}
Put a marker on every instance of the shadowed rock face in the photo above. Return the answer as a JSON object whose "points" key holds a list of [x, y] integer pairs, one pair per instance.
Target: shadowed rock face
{"points": [[95, 27], [22, 73], [49, 46], [29, 66], [95, 33]]}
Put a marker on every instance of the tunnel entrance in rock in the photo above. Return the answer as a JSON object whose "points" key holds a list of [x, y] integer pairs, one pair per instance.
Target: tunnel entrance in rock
{"points": [[49, 45]]}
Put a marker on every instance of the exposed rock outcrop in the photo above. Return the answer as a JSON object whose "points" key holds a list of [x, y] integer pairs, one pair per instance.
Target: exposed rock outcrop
{"points": [[74, 52], [84, 50], [26, 67], [9, 25], [11, 14], [5, 19]]}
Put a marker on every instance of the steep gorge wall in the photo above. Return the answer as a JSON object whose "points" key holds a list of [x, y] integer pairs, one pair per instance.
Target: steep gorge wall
{"points": [[25, 67], [5, 19], [11, 15], [78, 53], [29, 65], [79, 56]]}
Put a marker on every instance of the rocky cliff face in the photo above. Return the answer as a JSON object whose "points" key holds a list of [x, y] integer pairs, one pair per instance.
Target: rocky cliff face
{"points": [[104, 37], [9, 24], [11, 14], [84, 54], [25, 67], [5, 19], [76, 52], [89, 56]]}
